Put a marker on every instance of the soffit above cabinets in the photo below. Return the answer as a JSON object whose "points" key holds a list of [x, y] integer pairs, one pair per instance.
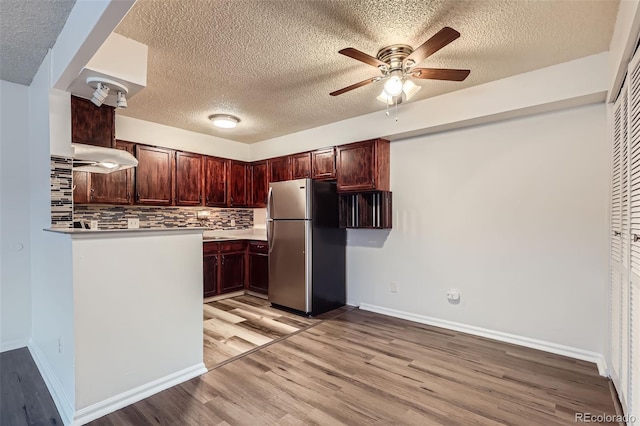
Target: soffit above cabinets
{"points": [[274, 63]]}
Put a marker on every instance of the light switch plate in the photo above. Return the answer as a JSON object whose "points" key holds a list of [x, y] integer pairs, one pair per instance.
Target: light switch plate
{"points": [[133, 223], [94, 224]]}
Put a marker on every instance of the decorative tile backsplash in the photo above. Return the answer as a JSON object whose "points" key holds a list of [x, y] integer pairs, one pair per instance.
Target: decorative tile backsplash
{"points": [[61, 193], [63, 212], [115, 217]]}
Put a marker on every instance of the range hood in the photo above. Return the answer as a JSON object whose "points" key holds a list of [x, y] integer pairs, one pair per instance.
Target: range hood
{"points": [[96, 159]]}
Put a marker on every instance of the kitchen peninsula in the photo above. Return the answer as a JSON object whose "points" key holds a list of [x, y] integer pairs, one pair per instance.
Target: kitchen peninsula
{"points": [[140, 292]]}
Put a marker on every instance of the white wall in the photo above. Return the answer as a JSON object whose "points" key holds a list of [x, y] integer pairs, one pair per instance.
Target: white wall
{"points": [[134, 130], [513, 214], [15, 290], [51, 278], [138, 310]]}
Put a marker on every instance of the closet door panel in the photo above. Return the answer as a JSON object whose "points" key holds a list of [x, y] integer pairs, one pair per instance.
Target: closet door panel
{"points": [[632, 314]]}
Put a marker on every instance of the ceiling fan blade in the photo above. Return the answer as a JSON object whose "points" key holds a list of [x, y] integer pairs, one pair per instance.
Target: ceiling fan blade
{"points": [[361, 56], [435, 43], [354, 86], [440, 74]]}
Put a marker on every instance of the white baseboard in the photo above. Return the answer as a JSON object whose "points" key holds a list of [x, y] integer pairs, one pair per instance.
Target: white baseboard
{"points": [[528, 342], [14, 344], [94, 411], [60, 398]]}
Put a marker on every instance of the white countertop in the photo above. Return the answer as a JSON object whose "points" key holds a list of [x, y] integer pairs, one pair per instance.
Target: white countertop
{"points": [[259, 234], [89, 233]]}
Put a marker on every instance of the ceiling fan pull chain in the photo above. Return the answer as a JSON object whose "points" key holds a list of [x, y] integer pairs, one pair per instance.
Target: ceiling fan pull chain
{"points": [[396, 100]]}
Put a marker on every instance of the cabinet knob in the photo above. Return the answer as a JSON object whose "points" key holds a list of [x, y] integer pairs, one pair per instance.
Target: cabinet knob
{"points": [[636, 238], [616, 233]]}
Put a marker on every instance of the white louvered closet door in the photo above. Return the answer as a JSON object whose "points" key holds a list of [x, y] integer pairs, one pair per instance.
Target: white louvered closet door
{"points": [[616, 245], [625, 239], [632, 314]]}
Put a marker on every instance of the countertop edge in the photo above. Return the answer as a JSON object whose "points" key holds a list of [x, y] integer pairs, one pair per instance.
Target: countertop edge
{"points": [[139, 232]]}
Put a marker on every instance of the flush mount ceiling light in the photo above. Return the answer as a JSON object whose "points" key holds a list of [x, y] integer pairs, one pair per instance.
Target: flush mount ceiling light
{"points": [[103, 86], [224, 121]]}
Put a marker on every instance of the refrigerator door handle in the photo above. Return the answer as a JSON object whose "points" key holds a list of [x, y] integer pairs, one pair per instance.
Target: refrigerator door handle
{"points": [[269, 221]]}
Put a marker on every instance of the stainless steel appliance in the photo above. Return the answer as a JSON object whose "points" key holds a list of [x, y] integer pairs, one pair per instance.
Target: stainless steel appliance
{"points": [[306, 247]]}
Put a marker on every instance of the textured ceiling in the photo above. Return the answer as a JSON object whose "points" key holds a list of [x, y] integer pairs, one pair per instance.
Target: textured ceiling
{"points": [[273, 63], [28, 29]]}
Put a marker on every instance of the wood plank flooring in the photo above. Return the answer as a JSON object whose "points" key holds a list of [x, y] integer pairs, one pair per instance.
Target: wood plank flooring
{"points": [[362, 368], [238, 325], [24, 398]]}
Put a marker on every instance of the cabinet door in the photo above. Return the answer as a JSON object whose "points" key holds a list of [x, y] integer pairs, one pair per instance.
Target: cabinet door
{"points": [[154, 177], [300, 165], [279, 169], [323, 164], [215, 181], [238, 184], [355, 166], [188, 179], [231, 272], [210, 275], [92, 125], [113, 188], [258, 273], [80, 187], [259, 184]]}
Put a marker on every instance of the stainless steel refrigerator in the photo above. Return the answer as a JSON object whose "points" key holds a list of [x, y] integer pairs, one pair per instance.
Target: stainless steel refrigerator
{"points": [[306, 247]]}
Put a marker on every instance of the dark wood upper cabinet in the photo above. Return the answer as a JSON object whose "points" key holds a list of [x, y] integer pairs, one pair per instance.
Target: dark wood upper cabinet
{"points": [[215, 181], [300, 165], [259, 184], [154, 176], [113, 188], [92, 125], [188, 179], [80, 187], [363, 166], [237, 183], [323, 164], [279, 169]]}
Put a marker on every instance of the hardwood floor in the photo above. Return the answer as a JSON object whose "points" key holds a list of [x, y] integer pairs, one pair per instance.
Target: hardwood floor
{"points": [[362, 368], [24, 398], [241, 324]]}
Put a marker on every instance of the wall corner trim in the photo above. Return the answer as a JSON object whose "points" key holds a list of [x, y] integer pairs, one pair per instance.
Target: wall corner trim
{"points": [[109, 405], [515, 339], [60, 398]]}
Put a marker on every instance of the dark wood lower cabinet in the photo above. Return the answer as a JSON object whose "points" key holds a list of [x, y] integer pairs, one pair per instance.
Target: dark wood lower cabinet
{"points": [[258, 267], [210, 269], [231, 272], [230, 266], [223, 266]]}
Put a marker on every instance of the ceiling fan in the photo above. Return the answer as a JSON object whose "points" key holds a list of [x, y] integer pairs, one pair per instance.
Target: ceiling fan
{"points": [[396, 63]]}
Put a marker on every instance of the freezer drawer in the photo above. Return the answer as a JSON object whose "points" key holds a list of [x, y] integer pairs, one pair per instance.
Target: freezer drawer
{"points": [[289, 264]]}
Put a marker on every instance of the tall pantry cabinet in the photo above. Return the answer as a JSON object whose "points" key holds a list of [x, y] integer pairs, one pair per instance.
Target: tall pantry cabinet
{"points": [[625, 242]]}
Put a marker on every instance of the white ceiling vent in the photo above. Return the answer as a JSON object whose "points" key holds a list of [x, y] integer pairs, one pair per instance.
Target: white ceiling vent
{"points": [[119, 60]]}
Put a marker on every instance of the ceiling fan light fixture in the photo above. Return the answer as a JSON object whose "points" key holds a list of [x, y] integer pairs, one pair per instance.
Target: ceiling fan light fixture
{"points": [[224, 121], [410, 89], [393, 85]]}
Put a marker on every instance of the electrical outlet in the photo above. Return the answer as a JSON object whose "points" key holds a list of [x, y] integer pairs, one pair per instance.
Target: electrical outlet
{"points": [[233, 222], [133, 223], [394, 287], [94, 224], [60, 346]]}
